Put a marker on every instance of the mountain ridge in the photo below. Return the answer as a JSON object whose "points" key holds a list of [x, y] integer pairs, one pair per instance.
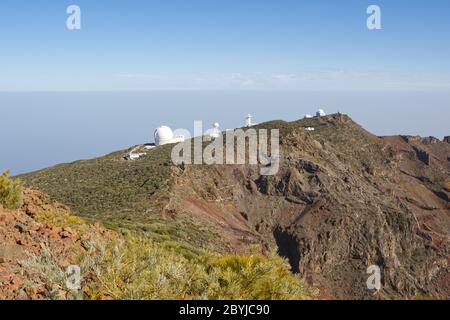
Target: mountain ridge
{"points": [[343, 200]]}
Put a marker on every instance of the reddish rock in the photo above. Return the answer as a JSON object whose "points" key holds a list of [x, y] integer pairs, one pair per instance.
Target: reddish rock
{"points": [[16, 282], [20, 233], [67, 233], [19, 240], [64, 263]]}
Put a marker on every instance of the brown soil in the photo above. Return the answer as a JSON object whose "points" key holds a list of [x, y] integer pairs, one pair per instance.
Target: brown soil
{"points": [[23, 233]]}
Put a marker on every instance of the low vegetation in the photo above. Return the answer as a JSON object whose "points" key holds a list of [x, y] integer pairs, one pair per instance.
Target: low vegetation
{"points": [[135, 265], [138, 268], [11, 196]]}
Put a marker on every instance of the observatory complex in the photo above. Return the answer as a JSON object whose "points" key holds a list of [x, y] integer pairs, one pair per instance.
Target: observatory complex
{"points": [[164, 135]]}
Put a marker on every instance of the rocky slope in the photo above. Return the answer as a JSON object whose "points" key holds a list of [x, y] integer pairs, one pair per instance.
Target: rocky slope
{"points": [[342, 200], [41, 229]]}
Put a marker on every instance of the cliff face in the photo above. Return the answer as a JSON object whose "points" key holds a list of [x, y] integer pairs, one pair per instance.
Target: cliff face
{"points": [[343, 200]]}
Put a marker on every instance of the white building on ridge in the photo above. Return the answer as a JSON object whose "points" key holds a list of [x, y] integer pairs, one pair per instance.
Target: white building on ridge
{"points": [[164, 135], [215, 132], [320, 113], [248, 121]]}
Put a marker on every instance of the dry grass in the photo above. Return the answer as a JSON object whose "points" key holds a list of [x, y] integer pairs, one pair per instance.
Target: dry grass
{"points": [[136, 267]]}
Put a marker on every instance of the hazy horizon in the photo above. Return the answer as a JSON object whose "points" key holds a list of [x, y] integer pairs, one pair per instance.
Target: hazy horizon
{"points": [[43, 129]]}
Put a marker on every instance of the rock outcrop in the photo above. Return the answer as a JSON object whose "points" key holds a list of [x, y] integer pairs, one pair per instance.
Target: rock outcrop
{"points": [[344, 200], [41, 226]]}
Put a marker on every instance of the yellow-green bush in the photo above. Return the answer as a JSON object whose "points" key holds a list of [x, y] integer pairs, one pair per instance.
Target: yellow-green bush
{"points": [[253, 277], [138, 268], [11, 196]]}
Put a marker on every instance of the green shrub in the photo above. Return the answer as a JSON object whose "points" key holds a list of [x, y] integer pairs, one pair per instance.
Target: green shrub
{"points": [[138, 268], [254, 277], [11, 196]]}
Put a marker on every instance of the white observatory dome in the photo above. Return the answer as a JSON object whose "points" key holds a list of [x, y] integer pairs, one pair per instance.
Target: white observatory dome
{"points": [[215, 132], [163, 135], [321, 113]]}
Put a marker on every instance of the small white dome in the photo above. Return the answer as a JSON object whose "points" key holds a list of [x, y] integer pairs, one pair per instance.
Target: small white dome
{"points": [[215, 132], [163, 135], [321, 113]]}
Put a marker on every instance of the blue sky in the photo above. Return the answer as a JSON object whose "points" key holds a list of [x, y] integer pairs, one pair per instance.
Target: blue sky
{"points": [[232, 44]]}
